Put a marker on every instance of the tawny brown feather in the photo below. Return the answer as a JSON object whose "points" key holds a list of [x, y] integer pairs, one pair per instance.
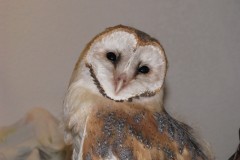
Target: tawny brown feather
{"points": [[135, 133]]}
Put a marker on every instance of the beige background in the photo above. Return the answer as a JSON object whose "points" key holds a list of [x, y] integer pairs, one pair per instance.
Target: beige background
{"points": [[41, 40]]}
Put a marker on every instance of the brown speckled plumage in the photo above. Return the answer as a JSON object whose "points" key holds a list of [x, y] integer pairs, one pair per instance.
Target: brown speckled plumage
{"points": [[138, 134]]}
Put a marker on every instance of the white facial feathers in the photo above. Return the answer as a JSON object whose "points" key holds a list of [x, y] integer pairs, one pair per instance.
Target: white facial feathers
{"points": [[122, 80], [115, 42], [154, 58]]}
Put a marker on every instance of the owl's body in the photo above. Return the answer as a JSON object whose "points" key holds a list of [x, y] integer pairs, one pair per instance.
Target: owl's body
{"points": [[114, 107]]}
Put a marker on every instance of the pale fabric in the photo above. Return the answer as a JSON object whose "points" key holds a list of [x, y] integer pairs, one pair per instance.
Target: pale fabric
{"points": [[35, 137]]}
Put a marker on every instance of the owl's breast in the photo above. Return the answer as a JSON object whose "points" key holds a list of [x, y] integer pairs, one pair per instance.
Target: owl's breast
{"points": [[136, 134]]}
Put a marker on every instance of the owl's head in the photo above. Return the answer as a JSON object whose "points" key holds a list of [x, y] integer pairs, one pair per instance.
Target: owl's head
{"points": [[123, 64]]}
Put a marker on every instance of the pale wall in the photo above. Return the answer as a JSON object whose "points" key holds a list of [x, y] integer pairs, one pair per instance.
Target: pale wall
{"points": [[41, 40]]}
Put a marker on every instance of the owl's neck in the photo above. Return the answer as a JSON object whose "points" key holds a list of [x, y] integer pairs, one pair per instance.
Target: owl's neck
{"points": [[154, 103]]}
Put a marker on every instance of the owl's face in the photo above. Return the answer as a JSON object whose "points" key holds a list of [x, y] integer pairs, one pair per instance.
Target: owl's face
{"points": [[125, 63]]}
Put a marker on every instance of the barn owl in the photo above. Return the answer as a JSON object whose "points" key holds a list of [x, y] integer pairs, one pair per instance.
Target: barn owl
{"points": [[113, 109]]}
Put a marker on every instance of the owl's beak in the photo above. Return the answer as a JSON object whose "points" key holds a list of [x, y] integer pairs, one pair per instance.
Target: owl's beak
{"points": [[119, 86], [120, 82]]}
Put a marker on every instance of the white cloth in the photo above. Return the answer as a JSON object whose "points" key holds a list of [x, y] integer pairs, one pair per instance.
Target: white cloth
{"points": [[35, 137]]}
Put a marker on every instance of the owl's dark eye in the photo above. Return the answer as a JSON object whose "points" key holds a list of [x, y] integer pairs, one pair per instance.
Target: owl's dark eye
{"points": [[111, 56], [143, 69]]}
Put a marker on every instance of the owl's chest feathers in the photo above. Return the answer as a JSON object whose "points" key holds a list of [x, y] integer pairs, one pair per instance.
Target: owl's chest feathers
{"points": [[107, 128], [131, 133], [137, 133]]}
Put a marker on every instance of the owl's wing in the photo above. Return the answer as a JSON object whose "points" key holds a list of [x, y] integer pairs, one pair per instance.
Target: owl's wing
{"points": [[140, 136]]}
